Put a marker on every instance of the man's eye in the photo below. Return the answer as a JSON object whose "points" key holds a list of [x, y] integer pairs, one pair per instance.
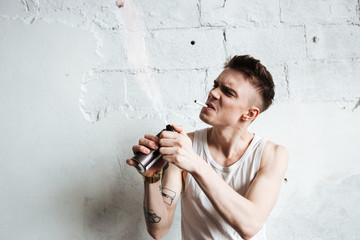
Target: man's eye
{"points": [[228, 93]]}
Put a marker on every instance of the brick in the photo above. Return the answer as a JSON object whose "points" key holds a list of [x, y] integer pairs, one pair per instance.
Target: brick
{"points": [[137, 16], [170, 14], [333, 11], [102, 91], [271, 45], [329, 42], [113, 49], [171, 49], [91, 15], [239, 13], [167, 89], [324, 81], [279, 74], [163, 49], [140, 94], [24, 10]]}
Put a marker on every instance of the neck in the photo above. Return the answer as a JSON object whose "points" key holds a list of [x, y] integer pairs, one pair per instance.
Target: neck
{"points": [[230, 141]]}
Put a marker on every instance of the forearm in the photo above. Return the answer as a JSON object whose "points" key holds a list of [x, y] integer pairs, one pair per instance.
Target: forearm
{"points": [[156, 214], [235, 209]]}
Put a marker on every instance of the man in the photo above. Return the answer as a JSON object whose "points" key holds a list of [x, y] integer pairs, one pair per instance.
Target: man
{"points": [[229, 178]]}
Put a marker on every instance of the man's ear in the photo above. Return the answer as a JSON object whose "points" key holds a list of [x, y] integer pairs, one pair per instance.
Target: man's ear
{"points": [[251, 114]]}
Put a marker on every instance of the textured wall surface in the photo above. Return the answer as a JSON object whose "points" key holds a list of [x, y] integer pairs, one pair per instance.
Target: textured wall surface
{"points": [[82, 81]]}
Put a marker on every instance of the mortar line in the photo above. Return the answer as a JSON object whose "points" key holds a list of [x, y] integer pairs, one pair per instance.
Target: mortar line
{"points": [[121, 172], [356, 105], [280, 12], [206, 80], [306, 41], [224, 43], [199, 8], [286, 71]]}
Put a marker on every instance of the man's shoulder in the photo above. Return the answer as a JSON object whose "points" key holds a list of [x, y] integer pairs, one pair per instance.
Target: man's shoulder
{"points": [[274, 154], [191, 135]]}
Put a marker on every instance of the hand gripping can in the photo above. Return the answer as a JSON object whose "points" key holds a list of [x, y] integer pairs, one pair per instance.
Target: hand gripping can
{"points": [[145, 161]]}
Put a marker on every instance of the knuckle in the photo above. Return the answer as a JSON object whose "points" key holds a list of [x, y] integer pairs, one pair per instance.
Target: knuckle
{"points": [[149, 136], [144, 149], [178, 150], [135, 148], [161, 151]]}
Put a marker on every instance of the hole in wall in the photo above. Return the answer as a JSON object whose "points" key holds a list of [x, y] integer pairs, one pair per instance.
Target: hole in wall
{"points": [[315, 39], [192, 42]]}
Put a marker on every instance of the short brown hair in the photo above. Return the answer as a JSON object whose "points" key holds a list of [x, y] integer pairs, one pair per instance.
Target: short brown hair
{"points": [[258, 76]]}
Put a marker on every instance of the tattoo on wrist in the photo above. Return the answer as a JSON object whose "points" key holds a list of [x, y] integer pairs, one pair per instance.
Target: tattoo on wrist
{"points": [[168, 195], [151, 216]]}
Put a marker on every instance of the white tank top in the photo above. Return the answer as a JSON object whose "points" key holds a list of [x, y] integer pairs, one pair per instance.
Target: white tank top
{"points": [[199, 219]]}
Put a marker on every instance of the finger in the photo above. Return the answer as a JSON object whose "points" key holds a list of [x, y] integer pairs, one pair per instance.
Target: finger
{"points": [[152, 137], [180, 129], [168, 134], [167, 150], [148, 143], [131, 162], [141, 149], [167, 142]]}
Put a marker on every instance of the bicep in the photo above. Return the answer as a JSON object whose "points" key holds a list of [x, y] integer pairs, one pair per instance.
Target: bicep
{"points": [[265, 188], [171, 187]]}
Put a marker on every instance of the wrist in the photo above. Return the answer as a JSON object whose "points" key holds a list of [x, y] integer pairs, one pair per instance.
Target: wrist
{"points": [[198, 164]]}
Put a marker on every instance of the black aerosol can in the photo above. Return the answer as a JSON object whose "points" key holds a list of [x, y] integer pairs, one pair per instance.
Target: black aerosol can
{"points": [[145, 161]]}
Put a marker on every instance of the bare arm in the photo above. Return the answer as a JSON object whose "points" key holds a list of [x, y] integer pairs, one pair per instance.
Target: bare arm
{"points": [[160, 198], [160, 201], [247, 214]]}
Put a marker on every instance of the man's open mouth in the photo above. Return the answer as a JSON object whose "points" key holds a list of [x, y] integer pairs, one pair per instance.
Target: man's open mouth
{"points": [[210, 105]]}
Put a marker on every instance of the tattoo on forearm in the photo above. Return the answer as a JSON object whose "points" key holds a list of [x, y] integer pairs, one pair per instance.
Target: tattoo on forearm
{"points": [[150, 216], [168, 195]]}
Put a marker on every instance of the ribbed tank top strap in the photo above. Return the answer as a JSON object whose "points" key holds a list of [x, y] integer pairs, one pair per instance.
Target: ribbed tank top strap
{"points": [[198, 147], [198, 141], [258, 152]]}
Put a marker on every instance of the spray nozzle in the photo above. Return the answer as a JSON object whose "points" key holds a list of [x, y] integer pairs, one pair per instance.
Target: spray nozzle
{"points": [[169, 128]]}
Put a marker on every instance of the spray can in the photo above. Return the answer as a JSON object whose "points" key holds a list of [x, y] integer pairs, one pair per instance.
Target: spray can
{"points": [[145, 161]]}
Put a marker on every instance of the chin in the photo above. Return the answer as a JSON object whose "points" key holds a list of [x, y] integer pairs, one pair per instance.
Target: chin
{"points": [[205, 119]]}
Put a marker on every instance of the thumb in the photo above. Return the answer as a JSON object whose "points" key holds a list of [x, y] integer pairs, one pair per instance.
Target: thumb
{"points": [[179, 129]]}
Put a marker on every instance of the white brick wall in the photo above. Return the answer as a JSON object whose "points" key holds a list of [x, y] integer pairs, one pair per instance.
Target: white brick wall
{"points": [[321, 12], [166, 45], [75, 79], [324, 81], [340, 42], [273, 45], [239, 13]]}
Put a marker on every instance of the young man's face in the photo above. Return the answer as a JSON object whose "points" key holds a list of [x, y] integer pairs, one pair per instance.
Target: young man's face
{"points": [[231, 98]]}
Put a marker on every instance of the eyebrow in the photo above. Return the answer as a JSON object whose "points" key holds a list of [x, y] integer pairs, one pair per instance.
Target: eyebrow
{"points": [[227, 88]]}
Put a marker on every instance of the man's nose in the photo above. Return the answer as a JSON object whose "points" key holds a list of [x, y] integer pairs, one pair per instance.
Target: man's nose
{"points": [[214, 93]]}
